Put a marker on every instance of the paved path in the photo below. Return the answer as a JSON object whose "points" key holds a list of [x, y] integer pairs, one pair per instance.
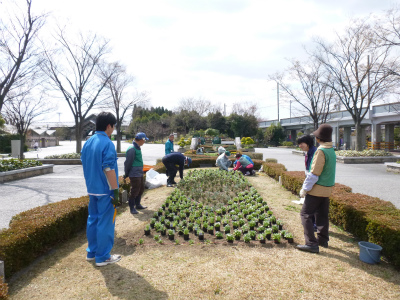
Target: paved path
{"points": [[68, 181]]}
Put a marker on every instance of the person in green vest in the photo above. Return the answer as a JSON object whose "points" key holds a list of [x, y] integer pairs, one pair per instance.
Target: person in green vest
{"points": [[169, 145], [134, 170], [316, 189]]}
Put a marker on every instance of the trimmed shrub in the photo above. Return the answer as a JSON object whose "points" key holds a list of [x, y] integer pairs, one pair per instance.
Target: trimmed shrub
{"points": [[3, 289], [271, 160], [16, 164], [35, 231], [273, 170]]}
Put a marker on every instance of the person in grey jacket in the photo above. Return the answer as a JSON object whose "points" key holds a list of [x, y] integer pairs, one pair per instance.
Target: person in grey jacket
{"points": [[134, 170], [223, 161]]}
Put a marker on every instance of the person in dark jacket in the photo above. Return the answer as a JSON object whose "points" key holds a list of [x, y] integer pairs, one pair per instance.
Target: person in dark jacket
{"points": [[134, 170], [170, 161], [317, 188], [306, 144]]}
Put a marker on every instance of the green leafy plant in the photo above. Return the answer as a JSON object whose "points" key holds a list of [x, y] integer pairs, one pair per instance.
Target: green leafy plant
{"points": [[219, 235], [141, 241], [156, 237], [230, 237], [276, 237], [247, 238]]}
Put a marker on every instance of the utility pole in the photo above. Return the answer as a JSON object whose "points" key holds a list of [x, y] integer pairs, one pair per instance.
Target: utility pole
{"points": [[59, 116], [277, 96]]}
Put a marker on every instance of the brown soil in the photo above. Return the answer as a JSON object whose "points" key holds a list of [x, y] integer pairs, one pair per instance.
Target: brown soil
{"points": [[210, 271]]}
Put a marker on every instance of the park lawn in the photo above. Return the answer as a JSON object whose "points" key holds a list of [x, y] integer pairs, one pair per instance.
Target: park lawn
{"points": [[209, 271]]}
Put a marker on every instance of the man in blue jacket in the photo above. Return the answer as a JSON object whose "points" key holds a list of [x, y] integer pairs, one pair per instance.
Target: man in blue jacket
{"points": [[134, 170], [100, 169], [170, 161], [169, 145]]}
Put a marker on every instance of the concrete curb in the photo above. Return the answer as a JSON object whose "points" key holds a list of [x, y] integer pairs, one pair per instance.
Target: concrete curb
{"points": [[392, 167], [60, 161], [25, 173], [366, 160]]}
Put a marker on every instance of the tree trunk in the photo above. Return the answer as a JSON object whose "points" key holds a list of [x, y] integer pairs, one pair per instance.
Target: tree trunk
{"points": [[78, 136], [21, 148], [359, 145], [118, 139]]}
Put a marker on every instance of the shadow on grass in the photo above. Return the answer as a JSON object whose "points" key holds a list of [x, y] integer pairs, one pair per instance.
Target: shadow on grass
{"points": [[127, 284]]}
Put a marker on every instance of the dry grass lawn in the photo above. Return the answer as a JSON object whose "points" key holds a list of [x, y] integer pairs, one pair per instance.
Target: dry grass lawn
{"points": [[210, 271]]}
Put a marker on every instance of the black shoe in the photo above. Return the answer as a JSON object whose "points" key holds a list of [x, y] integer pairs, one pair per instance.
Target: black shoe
{"points": [[134, 211], [173, 182], [307, 248], [323, 244], [315, 228], [140, 206]]}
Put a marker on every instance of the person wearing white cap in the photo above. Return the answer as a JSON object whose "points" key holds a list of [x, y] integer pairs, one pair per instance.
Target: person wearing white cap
{"points": [[133, 168]]}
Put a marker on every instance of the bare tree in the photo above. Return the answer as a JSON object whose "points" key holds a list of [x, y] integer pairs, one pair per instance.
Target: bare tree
{"points": [[18, 52], [200, 105], [308, 88], [117, 84], [21, 110], [357, 64], [74, 72], [242, 108]]}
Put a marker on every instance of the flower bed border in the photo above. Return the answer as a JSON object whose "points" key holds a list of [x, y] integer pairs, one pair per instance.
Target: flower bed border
{"points": [[25, 173]]}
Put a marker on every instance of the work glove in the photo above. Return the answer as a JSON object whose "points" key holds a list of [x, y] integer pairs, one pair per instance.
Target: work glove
{"points": [[303, 193], [115, 199]]}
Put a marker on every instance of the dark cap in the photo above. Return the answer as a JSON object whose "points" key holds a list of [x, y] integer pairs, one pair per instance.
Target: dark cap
{"points": [[324, 133]]}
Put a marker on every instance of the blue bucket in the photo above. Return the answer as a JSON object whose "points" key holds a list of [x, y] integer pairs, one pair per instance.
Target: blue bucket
{"points": [[370, 253]]}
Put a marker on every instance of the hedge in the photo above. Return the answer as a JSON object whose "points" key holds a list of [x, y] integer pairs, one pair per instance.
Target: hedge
{"points": [[368, 218], [35, 231], [3, 289]]}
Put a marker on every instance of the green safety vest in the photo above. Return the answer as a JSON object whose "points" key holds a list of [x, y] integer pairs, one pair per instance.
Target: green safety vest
{"points": [[327, 177], [138, 161]]}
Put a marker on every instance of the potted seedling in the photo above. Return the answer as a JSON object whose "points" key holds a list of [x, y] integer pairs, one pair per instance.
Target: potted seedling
{"points": [[210, 229], [163, 230], [235, 224], [186, 234], [261, 238], [283, 232], [171, 234], [273, 220], [267, 223], [237, 233], [230, 237], [277, 238], [275, 228], [252, 234], [190, 227], [279, 223], [268, 233], [147, 230], [227, 229], [289, 237], [219, 235], [245, 228], [241, 222], [247, 238], [252, 224], [200, 234], [261, 229], [217, 226], [152, 222], [156, 238]]}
